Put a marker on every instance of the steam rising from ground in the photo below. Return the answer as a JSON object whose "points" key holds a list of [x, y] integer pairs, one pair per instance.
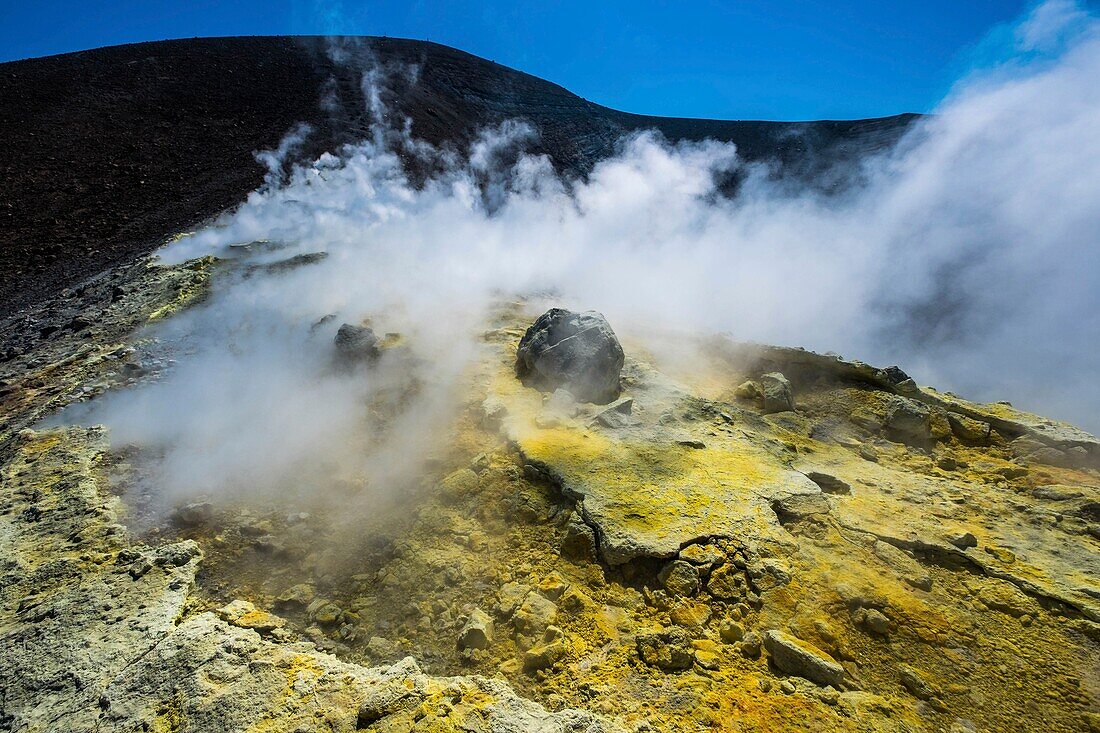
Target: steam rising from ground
{"points": [[970, 258]]}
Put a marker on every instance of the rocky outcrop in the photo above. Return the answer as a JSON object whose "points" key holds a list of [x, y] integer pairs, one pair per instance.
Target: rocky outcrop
{"points": [[1054, 442], [575, 351]]}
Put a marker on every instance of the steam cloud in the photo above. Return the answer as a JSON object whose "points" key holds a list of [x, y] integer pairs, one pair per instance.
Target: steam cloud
{"points": [[969, 257]]}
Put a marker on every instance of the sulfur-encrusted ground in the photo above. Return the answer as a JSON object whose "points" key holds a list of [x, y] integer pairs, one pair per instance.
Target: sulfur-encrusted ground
{"points": [[881, 557]]}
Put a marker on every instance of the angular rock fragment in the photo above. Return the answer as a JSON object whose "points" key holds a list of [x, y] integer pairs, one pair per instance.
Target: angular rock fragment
{"points": [[908, 421], [909, 569], [295, 598], [355, 344], [874, 621], [246, 616], [577, 351], [679, 578], [749, 390], [707, 654], [690, 614], [969, 430], [914, 681], [461, 484], [727, 583], [800, 506], [777, 392], [547, 653], [534, 615], [509, 598], [668, 649], [963, 540], [731, 632], [750, 645], [477, 632], [193, 515], [828, 483], [702, 555], [617, 415], [579, 542], [802, 659]]}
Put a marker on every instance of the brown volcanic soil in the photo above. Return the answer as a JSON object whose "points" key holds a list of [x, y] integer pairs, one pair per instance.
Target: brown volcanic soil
{"points": [[106, 152]]}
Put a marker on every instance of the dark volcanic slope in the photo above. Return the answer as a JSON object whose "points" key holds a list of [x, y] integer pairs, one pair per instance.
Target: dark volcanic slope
{"points": [[106, 152]]}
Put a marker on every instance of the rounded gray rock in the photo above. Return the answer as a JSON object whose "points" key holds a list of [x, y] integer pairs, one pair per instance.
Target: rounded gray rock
{"points": [[577, 351]]}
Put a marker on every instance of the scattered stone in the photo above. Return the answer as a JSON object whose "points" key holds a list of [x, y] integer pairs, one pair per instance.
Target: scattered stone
{"points": [[802, 659], [800, 506], [768, 573], [707, 654], [1002, 554], [702, 555], [552, 586], [869, 421], [963, 540], [534, 615], [459, 485], [693, 444], [913, 681], [382, 649], [668, 649], [254, 527], [938, 425], [787, 687], [575, 600], [578, 351], [477, 632], [690, 614], [493, 412], [777, 392], [324, 612], [874, 620], [480, 463], [727, 583], [828, 483], [751, 645], [510, 596], [617, 415], [245, 615], [355, 344], [195, 514], [909, 569], [969, 430], [679, 578], [546, 654], [1035, 451], [1006, 598], [731, 632], [561, 402], [908, 421], [868, 453], [749, 390], [579, 541]]}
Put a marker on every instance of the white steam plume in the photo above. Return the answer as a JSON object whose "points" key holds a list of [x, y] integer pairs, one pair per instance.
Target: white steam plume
{"points": [[969, 257]]}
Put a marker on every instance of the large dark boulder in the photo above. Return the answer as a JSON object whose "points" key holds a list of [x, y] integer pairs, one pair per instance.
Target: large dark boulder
{"points": [[355, 344], [575, 351]]}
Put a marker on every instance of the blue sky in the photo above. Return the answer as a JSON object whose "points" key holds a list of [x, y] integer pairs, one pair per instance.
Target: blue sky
{"points": [[804, 59]]}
